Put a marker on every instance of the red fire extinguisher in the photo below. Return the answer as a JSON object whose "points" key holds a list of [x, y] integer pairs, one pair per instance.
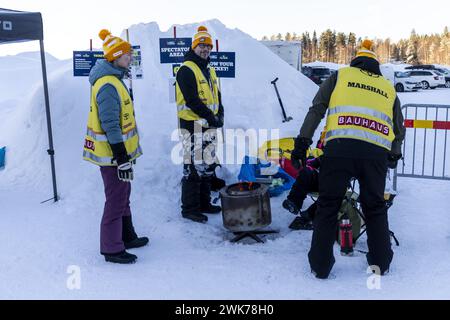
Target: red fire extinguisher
{"points": [[346, 233]]}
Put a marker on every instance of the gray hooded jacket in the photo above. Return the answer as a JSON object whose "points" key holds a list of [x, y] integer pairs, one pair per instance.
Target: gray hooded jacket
{"points": [[108, 100]]}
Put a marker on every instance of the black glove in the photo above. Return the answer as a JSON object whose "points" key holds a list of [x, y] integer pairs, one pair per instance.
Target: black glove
{"points": [[214, 121], [124, 166], [298, 155], [393, 160]]}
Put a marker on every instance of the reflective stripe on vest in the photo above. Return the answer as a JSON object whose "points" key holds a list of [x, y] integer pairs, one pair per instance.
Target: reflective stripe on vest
{"points": [[97, 148], [103, 138], [214, 108], [360, 135], [361, 107], [97, 159], [362, 111], [208, 93]]}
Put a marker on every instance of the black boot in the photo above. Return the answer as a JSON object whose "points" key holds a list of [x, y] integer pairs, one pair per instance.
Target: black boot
{"points": [[129, 236], [196, 217], [120, 258], [290, 206], [190, 199], [301, 223], [211, 209]]}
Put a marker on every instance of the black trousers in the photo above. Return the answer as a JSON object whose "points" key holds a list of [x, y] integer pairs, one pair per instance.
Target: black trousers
{"points": [[334, 178], [198, 171]]}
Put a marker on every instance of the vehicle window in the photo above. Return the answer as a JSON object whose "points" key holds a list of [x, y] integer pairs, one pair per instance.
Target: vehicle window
{"points": [[399, 74], [321, 72]]}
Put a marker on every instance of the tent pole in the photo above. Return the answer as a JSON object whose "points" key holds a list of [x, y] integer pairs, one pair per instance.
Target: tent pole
{"points": [[50, 151]]}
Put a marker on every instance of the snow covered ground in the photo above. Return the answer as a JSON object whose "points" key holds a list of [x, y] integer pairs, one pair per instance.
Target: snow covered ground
{"points": [[46, 246]]}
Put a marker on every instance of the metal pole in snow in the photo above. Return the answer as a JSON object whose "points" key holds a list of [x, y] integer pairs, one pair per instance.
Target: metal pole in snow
{"points": [[131, 75], [220, 89], [50, 151]]}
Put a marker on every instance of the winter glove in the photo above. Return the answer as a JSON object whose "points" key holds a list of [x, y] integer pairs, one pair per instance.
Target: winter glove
{"points": [[215, 121], [393, 160], [298, 155], [125, 172], [124, 166]]}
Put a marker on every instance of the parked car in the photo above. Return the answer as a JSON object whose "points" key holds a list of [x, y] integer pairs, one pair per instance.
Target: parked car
{"points": [[443, 72], [317, 74], [429, 79], [400, 80], [403, 82], [446, 74]]}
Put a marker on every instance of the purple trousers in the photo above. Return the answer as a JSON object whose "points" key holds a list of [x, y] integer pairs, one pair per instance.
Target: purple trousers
{"points": [[117, 205]]}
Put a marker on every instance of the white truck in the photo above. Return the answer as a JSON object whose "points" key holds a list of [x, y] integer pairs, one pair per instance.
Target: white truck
{"points": [[289, 51]]}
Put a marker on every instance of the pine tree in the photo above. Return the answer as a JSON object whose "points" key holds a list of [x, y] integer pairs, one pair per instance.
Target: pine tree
{"points": [[265, 38], [314, 47], [351, 47], [327, 45], [341, 47], [306, 47], [288, 37], [279, 37], [412, 50], [394, 53]]}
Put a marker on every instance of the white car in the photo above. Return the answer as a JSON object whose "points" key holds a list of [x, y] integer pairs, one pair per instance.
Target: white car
{"points": [[400, 80], [428, 78], [403, 82]]}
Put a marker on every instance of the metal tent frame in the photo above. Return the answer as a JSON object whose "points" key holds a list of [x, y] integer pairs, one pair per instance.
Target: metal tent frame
{"points": [[20, 26]]}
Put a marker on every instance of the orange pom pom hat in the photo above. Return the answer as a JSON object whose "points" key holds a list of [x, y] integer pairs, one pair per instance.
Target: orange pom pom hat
{"points": [[113, 47]]}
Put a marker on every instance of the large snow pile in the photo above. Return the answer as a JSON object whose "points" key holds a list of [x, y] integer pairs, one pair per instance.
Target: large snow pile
{"points": [[19, 73]]}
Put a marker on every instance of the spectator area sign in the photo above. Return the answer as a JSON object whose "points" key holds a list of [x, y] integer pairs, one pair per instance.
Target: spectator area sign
{"points": [[173, 50]]}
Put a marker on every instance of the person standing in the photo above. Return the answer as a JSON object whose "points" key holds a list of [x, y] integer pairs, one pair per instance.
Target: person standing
{"points": [[112, 143], [200, 113], [365, 131]]}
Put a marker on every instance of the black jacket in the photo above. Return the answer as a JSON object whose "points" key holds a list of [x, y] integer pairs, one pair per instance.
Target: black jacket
{"points": [[188, 86], [351, 148]]}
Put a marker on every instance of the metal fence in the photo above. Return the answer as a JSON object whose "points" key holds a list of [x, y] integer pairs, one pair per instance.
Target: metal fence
{"points": [[427, 126]]}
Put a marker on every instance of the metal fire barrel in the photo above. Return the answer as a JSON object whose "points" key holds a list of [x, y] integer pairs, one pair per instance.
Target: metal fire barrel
{"points": [[246, 207]]}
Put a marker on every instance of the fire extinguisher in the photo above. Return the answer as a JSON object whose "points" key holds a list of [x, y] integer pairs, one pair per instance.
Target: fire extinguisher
{"points": [[346, 233]]}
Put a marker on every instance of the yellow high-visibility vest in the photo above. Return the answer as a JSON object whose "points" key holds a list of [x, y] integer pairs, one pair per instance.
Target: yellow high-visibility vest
{"points": [[361, 107], [208, 93], [96, 147]]}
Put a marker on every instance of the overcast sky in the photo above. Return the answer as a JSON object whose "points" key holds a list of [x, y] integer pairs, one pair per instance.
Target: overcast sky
{"points": [[70, 24]]}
